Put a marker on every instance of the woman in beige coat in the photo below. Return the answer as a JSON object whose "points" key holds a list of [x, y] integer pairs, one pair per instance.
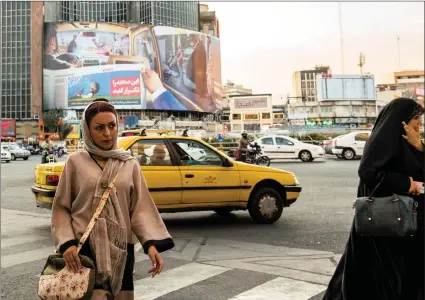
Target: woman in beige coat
{"points": [[129, 209]]}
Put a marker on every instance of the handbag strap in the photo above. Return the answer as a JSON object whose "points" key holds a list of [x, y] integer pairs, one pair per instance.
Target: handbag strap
{"points": [[376, 187], [96, 214]]}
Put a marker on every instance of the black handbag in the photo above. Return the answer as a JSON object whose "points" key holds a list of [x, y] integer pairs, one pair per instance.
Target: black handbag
{"points": [[393, 216]]}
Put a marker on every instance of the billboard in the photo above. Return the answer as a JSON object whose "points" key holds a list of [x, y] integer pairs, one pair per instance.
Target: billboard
{"points": [[133, 66], [250, 102], [8, 128], [345, 87]]}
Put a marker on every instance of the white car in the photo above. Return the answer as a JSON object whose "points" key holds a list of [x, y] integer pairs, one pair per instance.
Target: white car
{"points": [[5, 154], [284, 147], [350, 145]]}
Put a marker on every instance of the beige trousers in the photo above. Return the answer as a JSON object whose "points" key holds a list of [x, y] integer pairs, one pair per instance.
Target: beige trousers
{"points": [[105, 295]]}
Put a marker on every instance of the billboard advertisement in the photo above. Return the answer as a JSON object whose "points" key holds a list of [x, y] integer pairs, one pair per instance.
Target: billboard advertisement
{"points": [[345, 87], [251, 102], [8, 128], [133, 66]]}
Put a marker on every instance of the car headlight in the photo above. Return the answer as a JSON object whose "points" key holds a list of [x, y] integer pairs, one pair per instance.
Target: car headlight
{"points": [[296, 180]]}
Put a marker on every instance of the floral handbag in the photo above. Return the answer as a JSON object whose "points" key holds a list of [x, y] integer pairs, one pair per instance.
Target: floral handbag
{"points": [[57, 282]]}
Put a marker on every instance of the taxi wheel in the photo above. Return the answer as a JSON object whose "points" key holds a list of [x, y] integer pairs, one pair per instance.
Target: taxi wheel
{"points": [[223, 211], [265, 206]]}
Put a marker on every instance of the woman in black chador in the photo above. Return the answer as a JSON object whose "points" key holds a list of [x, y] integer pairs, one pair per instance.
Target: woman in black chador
{"points": [[387, 268]]}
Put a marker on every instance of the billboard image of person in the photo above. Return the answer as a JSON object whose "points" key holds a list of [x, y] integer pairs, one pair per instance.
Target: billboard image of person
{"points": [[191, 66]]}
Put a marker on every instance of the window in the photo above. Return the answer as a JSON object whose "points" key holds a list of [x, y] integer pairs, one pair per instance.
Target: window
{"points": [[267, 141], [193, 153], [265, 116], [361, 137], [251, 116], [236, 117], [151, 153], [283, 142], [277, 116]]}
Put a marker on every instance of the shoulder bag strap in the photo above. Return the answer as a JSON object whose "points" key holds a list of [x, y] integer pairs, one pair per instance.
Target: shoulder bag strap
{"points": [[376, 187], [96, 214]]}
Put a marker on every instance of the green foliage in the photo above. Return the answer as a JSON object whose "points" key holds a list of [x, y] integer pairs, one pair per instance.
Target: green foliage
{"points": [[52, 122], [51, 119]]}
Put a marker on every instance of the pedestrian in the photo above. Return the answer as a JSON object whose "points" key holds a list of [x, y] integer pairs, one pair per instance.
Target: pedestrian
{"points": [[387, 268], [129, 209]]}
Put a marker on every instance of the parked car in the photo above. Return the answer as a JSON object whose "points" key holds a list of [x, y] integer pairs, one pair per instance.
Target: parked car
{"points": [[350, 145], [180, 179], [18, 152], [284, 147], [5, 154]]}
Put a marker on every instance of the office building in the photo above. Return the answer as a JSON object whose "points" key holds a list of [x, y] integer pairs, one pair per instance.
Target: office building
{"points": [[21, 31], [304, 83], [181, 14], [15, 53]]}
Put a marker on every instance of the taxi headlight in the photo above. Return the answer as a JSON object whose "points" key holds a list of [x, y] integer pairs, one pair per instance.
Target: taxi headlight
{"points": [[296, 180]]}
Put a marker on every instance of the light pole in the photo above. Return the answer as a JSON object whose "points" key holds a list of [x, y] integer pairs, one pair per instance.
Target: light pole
{"points": [[341, 38]]}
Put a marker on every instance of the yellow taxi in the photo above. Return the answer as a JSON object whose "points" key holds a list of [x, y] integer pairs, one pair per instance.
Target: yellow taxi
{"points": [[186, 174]]}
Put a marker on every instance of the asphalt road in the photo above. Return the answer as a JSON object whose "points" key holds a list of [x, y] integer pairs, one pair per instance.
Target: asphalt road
{"points": [[319, 220]]}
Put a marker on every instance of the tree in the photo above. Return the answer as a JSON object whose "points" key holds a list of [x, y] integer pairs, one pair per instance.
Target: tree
{"points": [[53, 122]]}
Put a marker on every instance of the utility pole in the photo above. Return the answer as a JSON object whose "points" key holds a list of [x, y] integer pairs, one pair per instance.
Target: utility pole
{"points": [[341, 38], [362, 61], [398, 52]]}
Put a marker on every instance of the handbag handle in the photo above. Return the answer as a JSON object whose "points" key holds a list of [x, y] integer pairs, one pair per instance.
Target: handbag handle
{"points": [[96, 214]]}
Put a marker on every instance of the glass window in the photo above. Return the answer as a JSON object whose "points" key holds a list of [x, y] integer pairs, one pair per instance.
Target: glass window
{"points": [[151, 153], [265, 116], [362, 137], [236, 116], [267, 141], [193, 153], [283, 142], [251, 116]]}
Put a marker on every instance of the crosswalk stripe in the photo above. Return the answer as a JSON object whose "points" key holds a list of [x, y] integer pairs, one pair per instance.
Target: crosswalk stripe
{"points": [[20, 240], [25, 257], [282, 289], [173, 280]]}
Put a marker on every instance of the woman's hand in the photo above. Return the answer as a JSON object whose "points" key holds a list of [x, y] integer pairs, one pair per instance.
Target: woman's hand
{"points": [[412, 136], [157, 262], [72, 261], [415, 187]]}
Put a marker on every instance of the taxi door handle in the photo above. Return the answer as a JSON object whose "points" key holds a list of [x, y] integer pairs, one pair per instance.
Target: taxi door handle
{"points": [[189, 175]]}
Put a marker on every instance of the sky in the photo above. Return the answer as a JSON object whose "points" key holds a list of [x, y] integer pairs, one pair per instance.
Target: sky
{"points": [[263, 43]]}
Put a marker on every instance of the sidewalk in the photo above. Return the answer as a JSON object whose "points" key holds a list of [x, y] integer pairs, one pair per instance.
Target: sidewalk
{"points": [[309, 270]]}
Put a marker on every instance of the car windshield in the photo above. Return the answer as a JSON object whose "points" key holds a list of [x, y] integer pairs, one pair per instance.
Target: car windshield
{"points": [[14, 147]]}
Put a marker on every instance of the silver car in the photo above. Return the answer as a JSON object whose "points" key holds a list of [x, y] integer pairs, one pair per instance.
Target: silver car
{"points": [[18, 152]]}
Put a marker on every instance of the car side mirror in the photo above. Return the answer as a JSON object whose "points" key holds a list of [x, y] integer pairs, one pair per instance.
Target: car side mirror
{"points": [[227, 163]]}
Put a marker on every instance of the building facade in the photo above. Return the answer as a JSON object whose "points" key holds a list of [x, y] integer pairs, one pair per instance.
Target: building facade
{"points": [[304, 83], [409, 79], [15, 55], [253, 113], [21, 56], [209, 23], [342, 100], [181, 14]]}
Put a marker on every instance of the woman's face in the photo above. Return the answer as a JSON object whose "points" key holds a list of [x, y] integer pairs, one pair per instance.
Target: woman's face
{"points": [[104, 130], [416, 123]]}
